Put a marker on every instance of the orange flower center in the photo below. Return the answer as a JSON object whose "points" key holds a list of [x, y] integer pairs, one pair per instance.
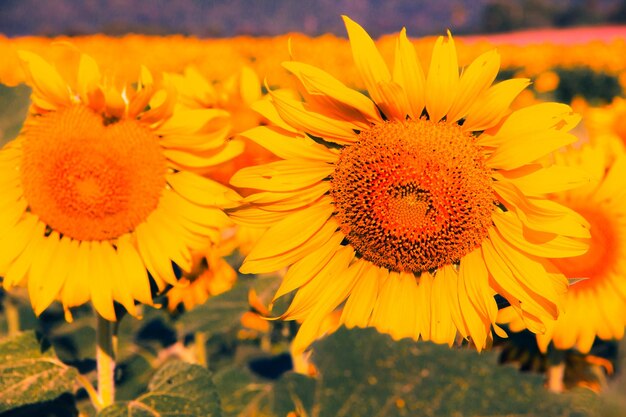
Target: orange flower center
{"points": [[603, 253], [413, 196], [87, 180]]}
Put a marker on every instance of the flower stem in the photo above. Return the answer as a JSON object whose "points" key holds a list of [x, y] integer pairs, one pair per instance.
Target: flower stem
{"points": [[91, 391], [106, 344], [555, 377], [200, 339], [12, 315]]}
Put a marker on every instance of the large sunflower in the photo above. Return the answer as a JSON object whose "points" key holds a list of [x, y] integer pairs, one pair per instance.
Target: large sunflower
{"points": [[96, 201], [595, 306], [414, 205]]}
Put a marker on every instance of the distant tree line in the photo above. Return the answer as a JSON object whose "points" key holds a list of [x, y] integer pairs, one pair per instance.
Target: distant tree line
{"points": [[506, 15]]}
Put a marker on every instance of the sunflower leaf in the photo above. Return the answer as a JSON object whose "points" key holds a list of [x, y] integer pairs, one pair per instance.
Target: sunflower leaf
{"points": [[177, 389], [245, 394], [30, 372], [362, 372], [222, 313], [14, 102]]}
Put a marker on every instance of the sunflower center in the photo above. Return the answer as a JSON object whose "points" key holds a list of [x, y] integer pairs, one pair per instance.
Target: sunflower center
{"points": [[603, 254], [413, 196], [89, 181]]}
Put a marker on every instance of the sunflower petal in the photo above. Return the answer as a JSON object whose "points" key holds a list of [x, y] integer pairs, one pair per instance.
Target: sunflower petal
{"points": [[288, 147], [474, 81], [367, 59], [442, 79], [408, 73]]}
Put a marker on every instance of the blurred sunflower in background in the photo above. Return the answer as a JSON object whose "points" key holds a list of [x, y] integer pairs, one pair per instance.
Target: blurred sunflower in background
{"points": [[98, 200], [413, 206], [237, 95], [210, 275], [595, 307], [607, 125]]}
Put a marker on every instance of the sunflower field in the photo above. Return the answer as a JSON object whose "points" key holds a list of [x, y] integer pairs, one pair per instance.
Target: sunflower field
{"points": [[310, 226]]}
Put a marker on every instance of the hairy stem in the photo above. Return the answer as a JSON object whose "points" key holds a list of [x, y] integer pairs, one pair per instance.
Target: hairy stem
{"points": [[106, 344]]}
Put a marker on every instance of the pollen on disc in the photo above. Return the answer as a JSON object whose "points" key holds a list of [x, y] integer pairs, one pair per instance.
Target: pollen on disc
{"points": [[88, 180], [414, 195]]}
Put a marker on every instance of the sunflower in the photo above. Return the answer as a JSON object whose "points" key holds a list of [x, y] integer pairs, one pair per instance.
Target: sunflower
{"points": [[606, 125], [596, 305], [97, 201], [210, 275], [413, 206], [237, 95]]}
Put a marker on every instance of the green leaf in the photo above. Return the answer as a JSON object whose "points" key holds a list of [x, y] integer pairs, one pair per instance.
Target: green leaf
{"points": [[31, 373], [14, 102], [240, 391], [222, 313], [178, 389], [364, 373], [244, 394]]}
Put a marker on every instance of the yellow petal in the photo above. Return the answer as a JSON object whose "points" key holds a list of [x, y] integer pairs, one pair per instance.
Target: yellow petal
{"points": [[612, 186], [119, 282], [14, 241], [292, 231], [442, 329], [474, 81], [171, 238], [17, 271], [346, 101], [287, 147], [287, 201], [49, 275], [475, 278], [311, 294], [134, 270], [287, 258], [330, 297], [100, 280], [424, 301], [203, 191], [154, 256], [442, 79], [552, 179], [408, 73], [548, 245], [202, 142], [186, 121], [297, 115], [360, 303], [394, 103], [493, 105], [395, 309], [509, 286], [450, 278], [266, 108], [256, 218], [287, 175], [530, 273], [89, 83], [476, 298], [367, 59], [303, 270], [540, 214], [518, 151], [230, 150], [45, 81], [76, 290], [249, 85], [526, 122]]}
